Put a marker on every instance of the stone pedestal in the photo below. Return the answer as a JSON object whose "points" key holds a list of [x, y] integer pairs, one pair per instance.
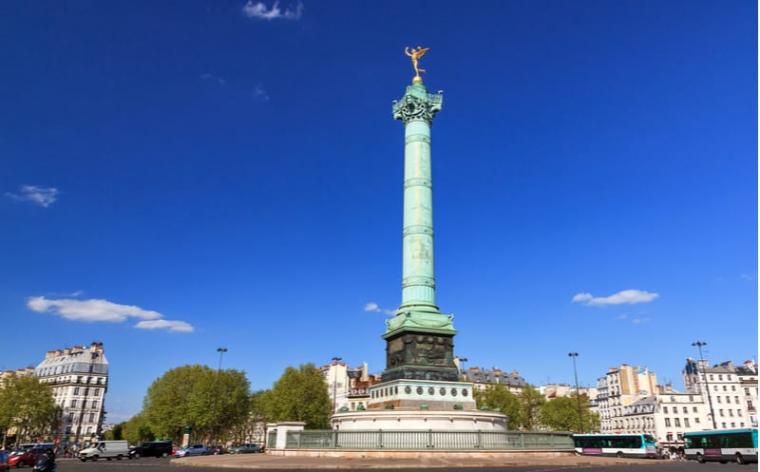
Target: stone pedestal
{"points": [[389, 420]]}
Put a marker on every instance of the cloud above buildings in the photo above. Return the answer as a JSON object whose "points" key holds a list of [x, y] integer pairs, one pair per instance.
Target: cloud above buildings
{"points": [[373, 307], [96, 310], [624, 297], [260, 11], [208, 76], [36, 195]]}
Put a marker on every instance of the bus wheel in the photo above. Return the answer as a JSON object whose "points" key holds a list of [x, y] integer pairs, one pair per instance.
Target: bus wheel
{"points": [[740, 458], [700, 458]]}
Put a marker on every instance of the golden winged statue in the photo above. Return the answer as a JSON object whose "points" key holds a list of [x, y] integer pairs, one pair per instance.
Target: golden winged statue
{"points": [[415, 55]]}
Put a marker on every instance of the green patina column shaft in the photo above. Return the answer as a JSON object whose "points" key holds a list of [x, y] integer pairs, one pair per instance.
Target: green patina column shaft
{"points": [[418, 310]]}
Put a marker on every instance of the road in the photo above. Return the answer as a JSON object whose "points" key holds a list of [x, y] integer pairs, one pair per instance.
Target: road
{"points": [[162, 465]]}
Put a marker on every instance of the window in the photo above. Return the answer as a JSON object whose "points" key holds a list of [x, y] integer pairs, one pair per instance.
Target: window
{"points": [[720, 377], [96, 392], [667, 423], [730, 412], [696, 420], [94, 404], [691, 398], [728, 399], [746, 391], [738, 412], [718, 398], [733, 388], [694, 409], [664, 409], [725, 389], [73, 403], [92, 417], [678, 422], [733, 425], [715, 387], [686, 423], [712, 377], [736, 399], [721, 413], [685, 410], [724, 424], [76, 390]]}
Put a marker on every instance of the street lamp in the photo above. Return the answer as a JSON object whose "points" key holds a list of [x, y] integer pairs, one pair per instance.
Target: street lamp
{"points": [[577, 390], [335, 361], [698, 345], [221, 351]]}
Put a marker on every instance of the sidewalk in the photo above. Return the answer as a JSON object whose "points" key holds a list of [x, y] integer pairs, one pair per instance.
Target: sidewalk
{"points": [[266, 461]]}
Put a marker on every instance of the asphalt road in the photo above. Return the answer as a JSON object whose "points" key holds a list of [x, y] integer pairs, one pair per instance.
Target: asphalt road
{"points": [[162, 465]]}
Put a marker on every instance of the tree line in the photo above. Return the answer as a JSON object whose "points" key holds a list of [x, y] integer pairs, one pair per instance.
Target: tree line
{"points": [[27, 410], [530, 411]]}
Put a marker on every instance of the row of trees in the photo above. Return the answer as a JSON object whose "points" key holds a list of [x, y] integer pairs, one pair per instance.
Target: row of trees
{"points": [[216, 405], [27, 410], [530, 411]]}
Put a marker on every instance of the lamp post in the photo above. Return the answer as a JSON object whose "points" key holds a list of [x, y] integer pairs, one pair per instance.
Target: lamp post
{"points": [[335, 361], [698, 345], [577, 391], [221, 351]]}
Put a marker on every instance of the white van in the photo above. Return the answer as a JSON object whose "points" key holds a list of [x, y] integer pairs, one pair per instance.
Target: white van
{"points": [[106, 450]]}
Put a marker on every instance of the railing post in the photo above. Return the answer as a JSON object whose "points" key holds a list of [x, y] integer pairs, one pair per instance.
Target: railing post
{"points": [[479, 443], [522, 440], [430, 438], [335, 440], [298, 443], [380, 438]]}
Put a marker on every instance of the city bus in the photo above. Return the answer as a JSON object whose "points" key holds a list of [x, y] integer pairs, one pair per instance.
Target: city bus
{"points": [[725, 445], [619, 445]]}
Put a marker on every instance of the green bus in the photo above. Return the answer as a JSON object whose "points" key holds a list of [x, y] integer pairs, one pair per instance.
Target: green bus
{"points": [[619, 445], [725, 445]]}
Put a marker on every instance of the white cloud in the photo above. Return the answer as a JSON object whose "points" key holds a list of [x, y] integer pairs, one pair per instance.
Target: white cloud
{"points": [[171, 325], [373, 307], [42, 196], [639, 320], [214, 78], [95, 310], [259, 10], [259, 93], [630, 296]]}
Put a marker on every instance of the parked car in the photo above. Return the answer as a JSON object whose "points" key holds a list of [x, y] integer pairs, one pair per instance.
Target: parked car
{"points": [[22, 458], [106, 450], [194, 450], [246, 449], [151, 449], [216, 450]]}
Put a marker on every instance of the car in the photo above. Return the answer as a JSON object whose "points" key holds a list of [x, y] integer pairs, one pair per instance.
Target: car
{"points": [[105, 450], [216, 450], [151, 449], [194, 450], [21, 458], [246, 449]]}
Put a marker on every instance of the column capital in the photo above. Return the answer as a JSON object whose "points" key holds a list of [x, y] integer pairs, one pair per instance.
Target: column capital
{"points": [[417, 104]]}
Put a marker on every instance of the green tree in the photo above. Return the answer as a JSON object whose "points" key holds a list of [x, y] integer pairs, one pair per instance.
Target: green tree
{"points": [[561, 414], [115, 433], [27, 405], [497, 397], [300, 394], [531, 402], [136, 430], [209, 401]]}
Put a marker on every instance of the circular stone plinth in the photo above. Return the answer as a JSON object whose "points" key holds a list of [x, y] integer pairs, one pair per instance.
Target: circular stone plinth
{"points": [[399, 420]]}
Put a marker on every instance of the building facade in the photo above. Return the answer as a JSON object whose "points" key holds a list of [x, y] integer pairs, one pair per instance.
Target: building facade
{"points": [[481, 378], [78, 376], [618, 388], [731, 391], [348, 387]]}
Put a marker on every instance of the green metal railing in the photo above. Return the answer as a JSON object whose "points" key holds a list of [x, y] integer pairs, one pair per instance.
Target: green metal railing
{"points": [[425, 440]]}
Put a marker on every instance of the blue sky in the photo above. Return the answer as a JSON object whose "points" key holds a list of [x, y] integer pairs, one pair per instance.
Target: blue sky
{"points": [[236, 168]]}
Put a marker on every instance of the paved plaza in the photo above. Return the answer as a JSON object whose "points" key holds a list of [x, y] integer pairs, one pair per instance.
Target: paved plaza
{"points": [[265, 462]]}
